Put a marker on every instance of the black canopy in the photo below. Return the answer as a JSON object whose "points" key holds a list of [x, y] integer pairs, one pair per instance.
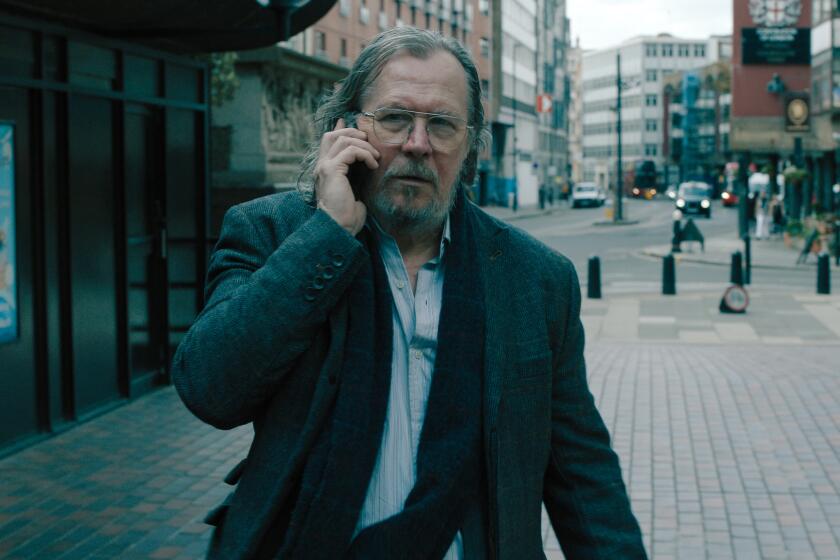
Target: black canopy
{"points": [[181, 25]]}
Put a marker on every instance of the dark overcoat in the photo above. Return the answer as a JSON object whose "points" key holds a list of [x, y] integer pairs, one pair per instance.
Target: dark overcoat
{"points": [[268, 346]]}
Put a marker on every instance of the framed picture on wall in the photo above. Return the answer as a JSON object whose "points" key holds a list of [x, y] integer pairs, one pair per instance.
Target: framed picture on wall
{"points": [[8, 259]]}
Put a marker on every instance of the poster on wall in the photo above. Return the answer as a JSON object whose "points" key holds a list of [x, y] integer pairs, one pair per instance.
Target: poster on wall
{"points": [[8, 262]]}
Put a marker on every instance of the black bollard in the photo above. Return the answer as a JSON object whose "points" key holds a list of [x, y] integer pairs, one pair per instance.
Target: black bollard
{"points": [[736, 275], [747, 260], [593, 284], [669, 276], [823, 275]]}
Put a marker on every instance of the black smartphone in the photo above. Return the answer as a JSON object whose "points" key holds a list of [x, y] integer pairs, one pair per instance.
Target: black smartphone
{"points": [[358, 173]]}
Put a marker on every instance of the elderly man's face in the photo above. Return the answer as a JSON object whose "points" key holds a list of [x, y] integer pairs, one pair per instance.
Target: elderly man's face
{"points": [[415, 183]]}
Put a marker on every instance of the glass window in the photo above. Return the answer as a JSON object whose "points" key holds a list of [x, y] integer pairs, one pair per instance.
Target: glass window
{"points": [[650, 100], [651, 75], [650, 50], [667, 50], [650, 125], [700, 50], [484, 46]]}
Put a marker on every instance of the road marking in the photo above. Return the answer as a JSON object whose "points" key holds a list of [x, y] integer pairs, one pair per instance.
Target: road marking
{"points": [[741, 332], [781, 340], [654, 320], [828, 316], [699, 336], [622, 319]]}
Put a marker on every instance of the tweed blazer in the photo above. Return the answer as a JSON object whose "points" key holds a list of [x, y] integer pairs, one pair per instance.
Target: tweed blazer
{"points": [[268, 346]]}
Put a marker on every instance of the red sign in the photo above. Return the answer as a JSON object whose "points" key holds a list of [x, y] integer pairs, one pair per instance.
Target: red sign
{"points": [[544, 103]]}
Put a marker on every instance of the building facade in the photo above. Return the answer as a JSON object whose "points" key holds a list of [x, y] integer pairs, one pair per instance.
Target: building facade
{"points": [[645, 62], [575, 72], [823, 161], [696, 108], [103, 169]]}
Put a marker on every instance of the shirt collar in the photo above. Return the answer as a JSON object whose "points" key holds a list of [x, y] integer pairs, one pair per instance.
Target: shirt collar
{"points": [[373, 225]]}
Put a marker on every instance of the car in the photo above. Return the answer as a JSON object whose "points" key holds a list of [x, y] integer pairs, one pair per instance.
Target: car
{"points": [[729, 198], [587, 194], [694, 197], [671, 192]]}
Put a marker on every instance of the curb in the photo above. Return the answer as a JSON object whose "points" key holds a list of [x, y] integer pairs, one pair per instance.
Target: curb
{"points": [[607, 223], [648, 253]]}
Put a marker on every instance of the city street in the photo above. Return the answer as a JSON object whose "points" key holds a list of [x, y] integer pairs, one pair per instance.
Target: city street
{"points": [[726, 425]]}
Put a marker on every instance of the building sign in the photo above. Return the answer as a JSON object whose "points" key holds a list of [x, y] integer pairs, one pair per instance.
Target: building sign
{"points": [[544, 104], [797, 112], [8, 268], [776, 45], [775, 37]]}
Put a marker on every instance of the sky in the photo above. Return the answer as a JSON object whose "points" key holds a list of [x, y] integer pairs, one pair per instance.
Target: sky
{"points": [[604, 23]]}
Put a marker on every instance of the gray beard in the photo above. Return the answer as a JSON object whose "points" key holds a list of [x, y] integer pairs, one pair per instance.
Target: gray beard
{"points": [[407, 218]]}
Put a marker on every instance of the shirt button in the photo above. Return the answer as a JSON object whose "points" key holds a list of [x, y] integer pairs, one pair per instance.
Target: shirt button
{"points": [[417, 354], [400, 284]]}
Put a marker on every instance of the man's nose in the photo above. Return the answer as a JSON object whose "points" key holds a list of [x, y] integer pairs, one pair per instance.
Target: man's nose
{"points": [[418, 142]]}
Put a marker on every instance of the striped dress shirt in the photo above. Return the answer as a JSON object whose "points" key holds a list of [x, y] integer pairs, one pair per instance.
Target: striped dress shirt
{"points": [[415, 326]]}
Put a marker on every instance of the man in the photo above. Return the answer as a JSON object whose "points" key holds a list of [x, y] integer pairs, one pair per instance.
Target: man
{"points": [[413, 368]]}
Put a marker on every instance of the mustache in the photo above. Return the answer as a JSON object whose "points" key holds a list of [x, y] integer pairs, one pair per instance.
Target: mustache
{"points": [[412, 169]]}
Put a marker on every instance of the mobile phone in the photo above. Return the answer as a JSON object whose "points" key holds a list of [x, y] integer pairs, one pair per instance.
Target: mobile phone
{"points": [[358, 173]]}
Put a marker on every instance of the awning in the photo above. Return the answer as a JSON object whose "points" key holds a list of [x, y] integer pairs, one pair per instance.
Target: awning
{"points": [[181, 25]]}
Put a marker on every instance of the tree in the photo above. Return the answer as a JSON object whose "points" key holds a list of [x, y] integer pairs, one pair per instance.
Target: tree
{"points": [[223, 79]]}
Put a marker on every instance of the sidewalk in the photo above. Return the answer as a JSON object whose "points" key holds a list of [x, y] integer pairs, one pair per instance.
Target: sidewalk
{"points": [[767, 253], [727, 428]]}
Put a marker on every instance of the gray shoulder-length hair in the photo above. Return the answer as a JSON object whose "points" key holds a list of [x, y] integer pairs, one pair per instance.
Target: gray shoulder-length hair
{"points": [[351, 91]]}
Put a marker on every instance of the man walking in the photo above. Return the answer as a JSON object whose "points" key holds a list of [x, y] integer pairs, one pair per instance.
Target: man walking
{"points": [[412, 367]]}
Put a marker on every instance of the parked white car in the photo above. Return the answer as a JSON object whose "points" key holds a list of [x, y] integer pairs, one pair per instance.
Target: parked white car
{"points": [[587, 194]]}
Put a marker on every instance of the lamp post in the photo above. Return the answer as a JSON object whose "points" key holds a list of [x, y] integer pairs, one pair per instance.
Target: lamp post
{"points": [[618, 215]]}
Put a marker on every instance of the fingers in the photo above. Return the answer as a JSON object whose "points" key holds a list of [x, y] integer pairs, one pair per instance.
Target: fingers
{"points": [[344, 142]]}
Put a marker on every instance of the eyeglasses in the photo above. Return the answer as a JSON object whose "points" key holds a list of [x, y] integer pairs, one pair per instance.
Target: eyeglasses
{"points": [[393, 126]]}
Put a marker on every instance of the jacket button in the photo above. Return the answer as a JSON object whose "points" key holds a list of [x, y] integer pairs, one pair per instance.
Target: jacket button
{"points": [[318, 282], [338, 260], [328, 272], [310, 293]]}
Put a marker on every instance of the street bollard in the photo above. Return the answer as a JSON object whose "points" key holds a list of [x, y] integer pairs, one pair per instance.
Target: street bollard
{"points": [[823, 275], [736, 274], [747, 260], [669, 276], [593, 283]]}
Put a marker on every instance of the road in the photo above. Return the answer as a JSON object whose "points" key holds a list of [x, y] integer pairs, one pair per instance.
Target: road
{"points": [[574, 233]]}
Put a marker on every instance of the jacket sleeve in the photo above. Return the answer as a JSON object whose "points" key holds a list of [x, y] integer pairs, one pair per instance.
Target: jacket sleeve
{"points": [[264, 306], [583, 490]]}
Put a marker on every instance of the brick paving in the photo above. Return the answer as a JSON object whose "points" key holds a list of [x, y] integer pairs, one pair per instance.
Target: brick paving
{"points": [[729, 451]]}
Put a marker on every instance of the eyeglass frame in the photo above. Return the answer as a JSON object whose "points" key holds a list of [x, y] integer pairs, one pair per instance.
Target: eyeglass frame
{"points": [[372, 116]]}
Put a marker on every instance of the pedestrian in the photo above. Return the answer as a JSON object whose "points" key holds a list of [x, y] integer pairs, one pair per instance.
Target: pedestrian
{"points": [[762, 216], [777, 212], [412, 367]]}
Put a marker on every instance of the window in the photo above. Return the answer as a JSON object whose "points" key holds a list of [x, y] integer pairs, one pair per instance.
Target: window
{"points": [[650, 49], [484, 7], [344, 7], [320, 41], [428, 20], [344, 47], [399, 10], [650, 75], [484, 45], [650, 149], [485, 89], [700, 50], [413, 15], [650, 100], [682, 50], [667, 50], [650, 125]]}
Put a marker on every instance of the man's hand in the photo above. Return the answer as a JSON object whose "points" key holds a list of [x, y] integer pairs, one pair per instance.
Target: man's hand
{"points": [[340, 149]]}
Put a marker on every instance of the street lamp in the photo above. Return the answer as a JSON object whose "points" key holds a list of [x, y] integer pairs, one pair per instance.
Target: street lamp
{"points": [[620, 85]]}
